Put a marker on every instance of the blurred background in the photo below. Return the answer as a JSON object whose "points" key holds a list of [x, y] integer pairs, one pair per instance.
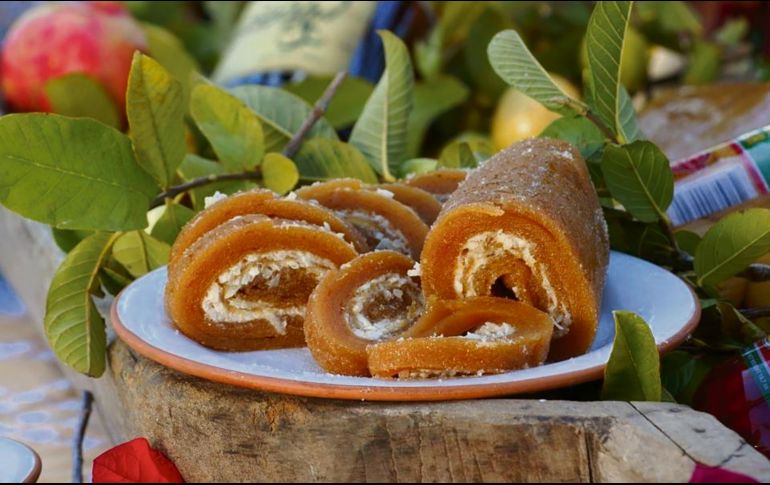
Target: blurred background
{"points": [[73, 58], [301, 44]]}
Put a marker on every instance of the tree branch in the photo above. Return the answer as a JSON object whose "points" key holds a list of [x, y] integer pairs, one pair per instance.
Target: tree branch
{"points": [[319, 109], [751, 313], [80, 434], [756, 272], [200, 182]]}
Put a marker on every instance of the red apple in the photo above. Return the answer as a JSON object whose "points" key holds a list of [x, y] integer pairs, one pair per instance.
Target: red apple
{"points": [[94, 38]]}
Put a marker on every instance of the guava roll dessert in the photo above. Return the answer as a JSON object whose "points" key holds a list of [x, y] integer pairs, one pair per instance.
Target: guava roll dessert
{"points": [[370, 299], [475, 336], [441, 183], [265, 202], [526, 225], [422, 202], [384, 222], [244, 285]]}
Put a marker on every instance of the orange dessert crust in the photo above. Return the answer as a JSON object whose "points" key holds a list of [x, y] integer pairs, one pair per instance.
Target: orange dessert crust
{"points": [[440, 183], [538, 190], [265, 202], [329, 337], [434, 345], [351, 194], [421, 201], [221, 248]]}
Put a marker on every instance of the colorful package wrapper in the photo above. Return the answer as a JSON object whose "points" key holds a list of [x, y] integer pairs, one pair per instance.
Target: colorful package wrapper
{"points": [[721, 177]]}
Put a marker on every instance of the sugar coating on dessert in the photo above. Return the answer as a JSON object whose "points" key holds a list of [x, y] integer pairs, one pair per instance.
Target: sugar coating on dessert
{"points": [[492, 332], [489, 245], [299, 223], [393, 290], [213, 199], [224, 304], [376, 227], [415, 271], [385, 193]]}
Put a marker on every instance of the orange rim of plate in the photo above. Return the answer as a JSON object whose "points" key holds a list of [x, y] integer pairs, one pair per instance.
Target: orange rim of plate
{"points": [[376, 393]]}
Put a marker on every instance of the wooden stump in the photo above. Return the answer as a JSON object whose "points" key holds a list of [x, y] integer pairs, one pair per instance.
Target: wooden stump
{"points": [[215, 432], [221, 433]]}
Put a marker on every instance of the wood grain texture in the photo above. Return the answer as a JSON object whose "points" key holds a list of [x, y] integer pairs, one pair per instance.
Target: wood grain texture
{"points": [[215, 432], [218, 433]]}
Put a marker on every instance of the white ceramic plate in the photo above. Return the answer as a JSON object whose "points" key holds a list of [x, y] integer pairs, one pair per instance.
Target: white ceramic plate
{"points": [[18, 463], [661, 298]]}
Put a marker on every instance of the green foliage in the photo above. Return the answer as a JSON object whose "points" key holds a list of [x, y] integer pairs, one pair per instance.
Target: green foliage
{"points": [[174, 217], [431, 99], [281, 114], [682, 373], [480, 71], [455, 22], [688, 241], [639, 177], [704, 63], [457, 154], [673, 18], [155, 109], [417, 166], [169, 51], [578, 131], [731, 245], [71, 173], [79, 96], [113, 276], [604, 41], [67, 239], [139, 253], [633, 370], [381, 131], [73, 325], [324, 159], [737, 327], [233, 130], [628, 124], [194, 166], [517, 66], [279, 173], [346, 105]]}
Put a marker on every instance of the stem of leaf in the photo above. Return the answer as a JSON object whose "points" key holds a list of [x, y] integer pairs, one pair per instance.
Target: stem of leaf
{"points": [[584, 110], [319, 109], [668, 230], [80, 433], [751, 313], [600, 124]]}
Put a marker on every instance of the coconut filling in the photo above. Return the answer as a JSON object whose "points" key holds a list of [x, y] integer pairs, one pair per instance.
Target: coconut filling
{"points": [[271, 286], [492, 332], [378, 231], [485, 247], [384, 307]]}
